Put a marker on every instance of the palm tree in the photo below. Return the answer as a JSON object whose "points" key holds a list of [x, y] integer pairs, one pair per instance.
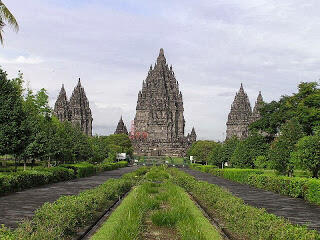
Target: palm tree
{"points": [[6, 17]]}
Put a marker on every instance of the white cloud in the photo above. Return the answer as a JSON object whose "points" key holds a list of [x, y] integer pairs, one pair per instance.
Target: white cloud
{"points": [[21, 60], [268, 45]]}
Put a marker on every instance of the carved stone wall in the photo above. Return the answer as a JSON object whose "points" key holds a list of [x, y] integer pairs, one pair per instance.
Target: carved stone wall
{"points": [[241, 115], [159, 122], [77, 110]]}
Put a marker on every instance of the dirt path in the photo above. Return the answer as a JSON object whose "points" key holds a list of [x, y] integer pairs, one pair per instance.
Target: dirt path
{"points": [[19, 205], [296, 210]]}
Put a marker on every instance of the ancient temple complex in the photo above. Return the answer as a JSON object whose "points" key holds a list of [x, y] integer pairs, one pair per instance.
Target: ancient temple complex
{"points": [[121, 128], [159, 121], [76, 110], [241, 114]]}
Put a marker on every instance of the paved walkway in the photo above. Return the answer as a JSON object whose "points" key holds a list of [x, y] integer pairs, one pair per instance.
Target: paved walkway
{"points": [[19, 205], [296, 210]]}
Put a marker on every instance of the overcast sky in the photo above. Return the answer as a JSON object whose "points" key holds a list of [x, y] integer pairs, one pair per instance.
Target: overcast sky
{"points": [[268, 45]]}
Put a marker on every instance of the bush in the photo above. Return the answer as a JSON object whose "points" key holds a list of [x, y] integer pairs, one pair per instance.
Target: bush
{"points": [[62, 219], [17, 181], [202, 168], [308, 189], [82, 169], [241, 220], [237, 175], [297, 187]]}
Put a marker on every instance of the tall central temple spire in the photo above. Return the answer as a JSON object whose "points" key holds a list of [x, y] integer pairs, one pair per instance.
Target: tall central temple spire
{"points": [[159, 122]]}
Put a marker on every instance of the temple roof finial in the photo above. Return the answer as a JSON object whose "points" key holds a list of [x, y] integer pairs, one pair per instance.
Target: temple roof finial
{"points": [[161, 52]]}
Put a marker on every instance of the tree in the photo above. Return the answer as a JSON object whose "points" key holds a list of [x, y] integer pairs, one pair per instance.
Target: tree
{"points": [[215, 157], [228, 148], [303, 106], [282, 147], [6, 17], [12, 133], [248, 150], [201, 150], [307, 154]]}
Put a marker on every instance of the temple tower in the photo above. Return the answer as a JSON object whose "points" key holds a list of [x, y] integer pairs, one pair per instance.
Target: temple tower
{"points": [[159, 121], [121, 128], [76, 110], [61, 107], [257, 107], [239, 116]]}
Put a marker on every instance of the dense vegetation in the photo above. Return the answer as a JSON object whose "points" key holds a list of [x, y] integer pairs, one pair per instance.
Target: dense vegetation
{"points": [[297, 187], [64, 217], [154, 209], [29, 132], [17, 181], [241, 221], [287, 137]]}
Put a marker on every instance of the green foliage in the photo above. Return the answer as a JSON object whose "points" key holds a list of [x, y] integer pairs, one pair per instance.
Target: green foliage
{"points": [[126, 222], [234, 174], [16, 181], [203, 168], [12, 133], [228, 149], [282, 147], [307, 154], [303, 106], [241, 220], [61, 219], [308, 189], [32, 178], [261, 162], [247, 150], [201, 150]]}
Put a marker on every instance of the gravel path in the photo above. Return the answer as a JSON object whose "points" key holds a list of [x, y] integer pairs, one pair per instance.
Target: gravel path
{"points": [[19, 205], [296, 210]]}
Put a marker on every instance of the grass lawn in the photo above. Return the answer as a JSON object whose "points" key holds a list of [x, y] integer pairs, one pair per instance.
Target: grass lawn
{"points": [[157, 211]]}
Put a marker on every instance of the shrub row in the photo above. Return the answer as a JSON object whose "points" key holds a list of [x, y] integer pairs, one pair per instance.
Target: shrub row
{"points": [[85, 169], [233, 174], [241, 220], [306, 188], [203, 168], [17, 181], [31, 178], [63, 218]]}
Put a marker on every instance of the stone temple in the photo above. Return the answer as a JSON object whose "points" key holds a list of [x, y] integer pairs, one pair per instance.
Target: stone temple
{"points": [[241, 114], [76, 110], [159, 124], [121, 128]]}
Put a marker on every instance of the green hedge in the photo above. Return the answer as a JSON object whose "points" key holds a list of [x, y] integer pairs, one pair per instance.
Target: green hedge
{"points": [[297, 187], [203, 168], [85, 169], [63, 218], [17, 181], [306, 188], [238, 175], [241, 220], [21, 180]]}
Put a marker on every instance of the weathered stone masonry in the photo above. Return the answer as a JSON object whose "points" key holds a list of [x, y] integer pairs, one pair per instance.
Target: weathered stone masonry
{"points": [[159, 121], [77, 110]]}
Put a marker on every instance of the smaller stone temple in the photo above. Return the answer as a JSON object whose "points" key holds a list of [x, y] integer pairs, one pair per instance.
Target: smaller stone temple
{"points": [[241, 114], [121, 128], [76, 110]]}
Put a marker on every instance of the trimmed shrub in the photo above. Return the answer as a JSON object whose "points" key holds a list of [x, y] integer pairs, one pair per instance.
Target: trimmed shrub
{"points": [[203, 168], [63, 218], [82, 169], [306, 188], [241, 220], [297, 187], [237, 175]]}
